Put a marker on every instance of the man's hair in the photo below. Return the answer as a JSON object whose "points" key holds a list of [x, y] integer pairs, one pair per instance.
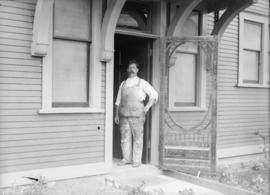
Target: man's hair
{"points": [[134, 62]]}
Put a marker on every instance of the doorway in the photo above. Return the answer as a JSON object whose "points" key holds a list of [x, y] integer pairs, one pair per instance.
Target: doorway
{"points": [[132, 48]]}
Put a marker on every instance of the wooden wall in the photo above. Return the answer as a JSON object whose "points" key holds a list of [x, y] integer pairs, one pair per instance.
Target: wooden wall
{"points": [[241, 111], [29, 140]]}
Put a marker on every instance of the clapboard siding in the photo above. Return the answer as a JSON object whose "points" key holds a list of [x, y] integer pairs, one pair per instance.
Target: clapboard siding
{"points": [[29, 140], [241, 111], [262, 8]]}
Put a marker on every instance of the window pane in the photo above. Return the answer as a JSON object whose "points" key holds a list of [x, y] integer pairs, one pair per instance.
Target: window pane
{"points": [[251, 66], [72, 19], [136, 16], [182, 81], [70, 72], [125, 20], [252, 35], [191, 28]]}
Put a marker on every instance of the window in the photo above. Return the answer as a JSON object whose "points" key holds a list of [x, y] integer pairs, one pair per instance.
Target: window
{"points": [[68, 83], [71, 45], [135, 16], [253, 51], [186, 75]]}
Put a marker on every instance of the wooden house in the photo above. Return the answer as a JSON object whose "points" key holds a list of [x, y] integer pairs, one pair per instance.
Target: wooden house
{"points": [[61, 63]]}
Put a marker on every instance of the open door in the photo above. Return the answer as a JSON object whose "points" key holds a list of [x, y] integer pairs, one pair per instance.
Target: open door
{"points": [[131, 48], [194, 147]]}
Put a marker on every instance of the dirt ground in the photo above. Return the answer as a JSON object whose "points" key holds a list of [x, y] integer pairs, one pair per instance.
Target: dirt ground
{"points": [[252, 176]]}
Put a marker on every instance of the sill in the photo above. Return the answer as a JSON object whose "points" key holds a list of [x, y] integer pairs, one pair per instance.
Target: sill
{"points": [[70, 110], [247, 85], [187, 109]]}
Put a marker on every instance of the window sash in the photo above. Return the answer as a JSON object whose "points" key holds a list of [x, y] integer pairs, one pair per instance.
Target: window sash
{"points": [[178, 103], [249, 38], [258, 44], [258, 67], [72, 34], [64, 35], [77, 103], [191, 49]]}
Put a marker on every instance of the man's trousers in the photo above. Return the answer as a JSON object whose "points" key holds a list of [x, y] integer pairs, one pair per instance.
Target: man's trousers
{"points": [[132, 127]]}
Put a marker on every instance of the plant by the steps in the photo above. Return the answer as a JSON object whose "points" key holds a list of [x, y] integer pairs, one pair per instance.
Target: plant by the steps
{"points": [[134, 190], [227, 176], [39, 186], [188, 191], [265, 140]]}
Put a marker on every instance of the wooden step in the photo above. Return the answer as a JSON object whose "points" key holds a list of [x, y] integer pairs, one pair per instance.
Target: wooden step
{"points": [[188, 162], [193, 170], [185, 152]]}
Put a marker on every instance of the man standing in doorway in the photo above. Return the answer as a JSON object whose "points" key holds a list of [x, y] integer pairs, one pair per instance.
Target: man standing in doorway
{"points": [[130, 113]]}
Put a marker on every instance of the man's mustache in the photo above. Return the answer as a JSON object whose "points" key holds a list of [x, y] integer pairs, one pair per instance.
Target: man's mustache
{"points": [[131, 71]]}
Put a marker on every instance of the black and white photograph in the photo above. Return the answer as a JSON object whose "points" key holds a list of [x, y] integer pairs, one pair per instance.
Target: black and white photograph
{"points": [[134, 97]]}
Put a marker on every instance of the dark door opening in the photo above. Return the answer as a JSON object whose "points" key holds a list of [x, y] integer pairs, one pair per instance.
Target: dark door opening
{"points": [[132, 48]]}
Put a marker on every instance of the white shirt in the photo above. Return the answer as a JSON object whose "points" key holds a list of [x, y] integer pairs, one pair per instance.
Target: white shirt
{"points": [[146, 89]]}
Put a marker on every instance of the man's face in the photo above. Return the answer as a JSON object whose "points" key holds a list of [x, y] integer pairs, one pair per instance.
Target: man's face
{"points": [[132, 70]]}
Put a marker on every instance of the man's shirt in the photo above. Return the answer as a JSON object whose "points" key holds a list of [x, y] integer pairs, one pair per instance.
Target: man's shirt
{"points": [[145, 89]]}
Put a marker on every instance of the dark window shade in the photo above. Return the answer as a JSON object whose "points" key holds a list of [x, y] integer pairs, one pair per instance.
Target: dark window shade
{"points": [[72, 19]]}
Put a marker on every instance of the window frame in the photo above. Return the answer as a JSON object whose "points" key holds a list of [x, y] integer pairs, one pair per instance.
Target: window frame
{"points": [[94, 74], [131, 8], [201, 74], [263, 21]]}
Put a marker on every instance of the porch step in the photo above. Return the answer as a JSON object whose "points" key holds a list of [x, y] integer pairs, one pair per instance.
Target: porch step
{"points": [[185, 152], [188, 162], [189, 169]]}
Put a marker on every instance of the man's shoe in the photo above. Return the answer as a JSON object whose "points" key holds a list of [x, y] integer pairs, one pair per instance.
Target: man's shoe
{"points": [[136, 165], [123, 162]]}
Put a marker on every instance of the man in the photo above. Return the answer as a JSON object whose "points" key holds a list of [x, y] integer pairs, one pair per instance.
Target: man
{"points": [[130, 113]]}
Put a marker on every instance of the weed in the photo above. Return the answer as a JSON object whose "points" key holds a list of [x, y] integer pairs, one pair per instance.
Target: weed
{"points": [[187, 192]]}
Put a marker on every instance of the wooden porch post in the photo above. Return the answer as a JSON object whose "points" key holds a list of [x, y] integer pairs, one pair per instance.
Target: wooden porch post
{"points": [[218, 30], [163, 91], [213, 146]]}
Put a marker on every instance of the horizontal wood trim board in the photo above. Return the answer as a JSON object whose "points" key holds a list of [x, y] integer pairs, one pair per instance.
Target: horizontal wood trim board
{"points": [[55, 173], [56, 164]]}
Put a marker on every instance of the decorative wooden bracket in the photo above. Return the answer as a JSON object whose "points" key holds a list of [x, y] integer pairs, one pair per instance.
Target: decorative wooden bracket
{"points": [[42, 27], [181, 16], [108, 28], [232, 10]]}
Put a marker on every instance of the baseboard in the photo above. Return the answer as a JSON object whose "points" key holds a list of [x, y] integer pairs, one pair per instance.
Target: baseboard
{"points": [[56, 173], [239, 154]]}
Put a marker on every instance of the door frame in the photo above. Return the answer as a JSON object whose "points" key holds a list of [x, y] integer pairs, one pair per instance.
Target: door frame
{"points": [[152, 38], [107, 57]]}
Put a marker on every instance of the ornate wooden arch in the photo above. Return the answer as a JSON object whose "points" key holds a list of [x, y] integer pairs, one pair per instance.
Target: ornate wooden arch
{"points": [[108, 27], [181, 16], [232, 10]]}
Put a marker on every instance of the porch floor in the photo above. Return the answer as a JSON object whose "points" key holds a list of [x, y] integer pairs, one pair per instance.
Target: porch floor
{"points": [[125, 178]]}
